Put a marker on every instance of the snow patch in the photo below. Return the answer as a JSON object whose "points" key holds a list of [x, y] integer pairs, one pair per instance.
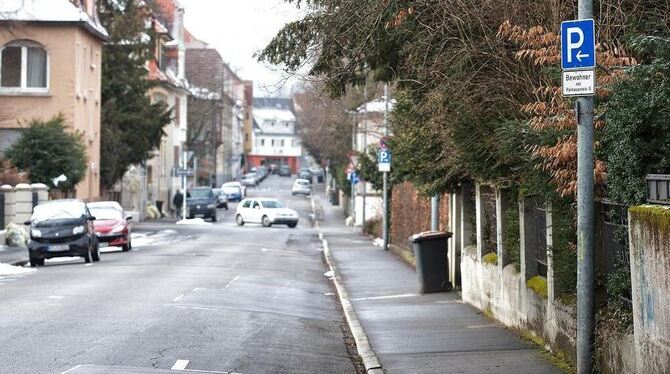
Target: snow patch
{"points": [[193, 221], [6, 269]]}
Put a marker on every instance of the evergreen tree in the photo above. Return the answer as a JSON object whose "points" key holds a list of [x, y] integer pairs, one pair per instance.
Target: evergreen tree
{"points": [[132, 127], [46, 150]]}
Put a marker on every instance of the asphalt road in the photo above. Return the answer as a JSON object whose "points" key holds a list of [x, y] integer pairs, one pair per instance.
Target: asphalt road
{"points": [[214, 298]]}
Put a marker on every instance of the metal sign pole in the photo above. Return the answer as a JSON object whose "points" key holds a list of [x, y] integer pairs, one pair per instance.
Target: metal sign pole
{"points": [[364, 148], [184, 183], [585, 167], [386, 190]]}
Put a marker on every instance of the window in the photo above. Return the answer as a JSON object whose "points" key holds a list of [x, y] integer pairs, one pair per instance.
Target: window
{"points": [[23, 67], [273, 142], [282, 142], [286, 125], [262, 142], [247, 204]]}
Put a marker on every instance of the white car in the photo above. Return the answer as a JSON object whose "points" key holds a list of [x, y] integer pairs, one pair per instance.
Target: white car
{"points": [[265, 211], [301, 186], [249, 180]]}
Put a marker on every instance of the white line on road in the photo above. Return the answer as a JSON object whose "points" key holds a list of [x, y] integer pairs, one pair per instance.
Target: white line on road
{"points": [[178, 298], [180, 365], [231, 282], [55, 297], [72, 369], [88, 264], [197, 289], [386, 297]]}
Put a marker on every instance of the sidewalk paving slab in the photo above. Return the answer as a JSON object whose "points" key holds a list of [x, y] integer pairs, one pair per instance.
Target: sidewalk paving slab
{"points": [[414, 333]]}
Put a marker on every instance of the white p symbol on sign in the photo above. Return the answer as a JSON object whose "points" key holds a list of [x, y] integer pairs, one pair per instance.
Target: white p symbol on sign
{"points": [[575, 45]]}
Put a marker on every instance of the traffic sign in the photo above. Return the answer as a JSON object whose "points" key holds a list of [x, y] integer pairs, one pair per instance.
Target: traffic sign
{"points": [[384, 143], [183, 172], [353, 177], [384, 160], [578, 44], [579, 83]]}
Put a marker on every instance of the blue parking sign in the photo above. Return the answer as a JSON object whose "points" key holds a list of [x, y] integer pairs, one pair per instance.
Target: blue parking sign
{"points": [[578, 44]]}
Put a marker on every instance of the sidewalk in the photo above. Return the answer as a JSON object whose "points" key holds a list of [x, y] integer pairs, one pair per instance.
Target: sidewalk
{"points": [[413, 333], [13, 255]]}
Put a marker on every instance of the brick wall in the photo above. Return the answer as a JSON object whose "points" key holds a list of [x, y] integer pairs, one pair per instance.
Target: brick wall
{"points": [[410, 213]]}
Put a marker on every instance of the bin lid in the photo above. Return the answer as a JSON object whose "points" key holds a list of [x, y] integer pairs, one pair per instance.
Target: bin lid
{"points": [[429, 235]]}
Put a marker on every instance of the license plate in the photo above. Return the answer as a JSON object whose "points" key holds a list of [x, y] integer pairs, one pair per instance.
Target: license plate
{"points": [[59, 248], [103, 245]]}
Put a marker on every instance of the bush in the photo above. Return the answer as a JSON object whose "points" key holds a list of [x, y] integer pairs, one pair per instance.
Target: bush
{"points": [[46, 150]]}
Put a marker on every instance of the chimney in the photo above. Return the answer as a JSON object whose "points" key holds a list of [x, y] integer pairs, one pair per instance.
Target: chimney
{"points": [[178, 32]]}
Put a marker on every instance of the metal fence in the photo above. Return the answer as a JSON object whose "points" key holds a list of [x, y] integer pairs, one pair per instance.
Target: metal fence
{"points": [[614, 239], [539, 218], [658, 188]]}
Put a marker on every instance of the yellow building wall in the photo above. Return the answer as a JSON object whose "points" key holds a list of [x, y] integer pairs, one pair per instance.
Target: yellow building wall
{"points": [[74, 63]]}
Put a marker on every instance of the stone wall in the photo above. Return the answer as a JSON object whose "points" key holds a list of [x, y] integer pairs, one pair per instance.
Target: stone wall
{"points": [[650, 285]]}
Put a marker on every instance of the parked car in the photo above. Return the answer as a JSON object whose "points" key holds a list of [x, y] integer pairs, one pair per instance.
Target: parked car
{"points": [[234, 191], [274, 168], [202, 203], [306, 175], [62, 228], [265, 211], [249, 180], [221, 198], [262, 172], [111, 225], [301, 186], [284, 171]]}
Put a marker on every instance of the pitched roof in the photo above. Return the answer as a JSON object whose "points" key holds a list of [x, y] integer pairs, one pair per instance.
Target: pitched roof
{"points": [[51, 11]]}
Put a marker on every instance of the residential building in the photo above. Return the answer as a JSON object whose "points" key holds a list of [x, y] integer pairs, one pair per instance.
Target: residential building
{"points": [[216, 113], [50, 64], [275, 136], [156, 181]]}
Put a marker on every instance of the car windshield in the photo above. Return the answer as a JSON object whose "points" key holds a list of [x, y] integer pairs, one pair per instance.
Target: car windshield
{"points": [[105, 214], [302, 183], [271, 204], [58, 211], [200, 193]]}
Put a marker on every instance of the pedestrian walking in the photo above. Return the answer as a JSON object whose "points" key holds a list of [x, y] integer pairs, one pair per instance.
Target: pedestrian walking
{"points": [[178, 202]]}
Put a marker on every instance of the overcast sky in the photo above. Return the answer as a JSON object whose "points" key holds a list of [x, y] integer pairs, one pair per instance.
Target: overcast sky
{"points": [[238, 29]]}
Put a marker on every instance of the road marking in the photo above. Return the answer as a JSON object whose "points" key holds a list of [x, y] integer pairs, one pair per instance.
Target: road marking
{"points": [[264, 249], [386, 297], [480, 326], [55, 297], [88, 264], [231, 282], [197, 289], [72, 369], [178, 298], [180, 365]]}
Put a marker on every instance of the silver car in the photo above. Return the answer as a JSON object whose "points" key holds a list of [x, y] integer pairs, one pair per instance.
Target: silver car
{"points": [[301, 187]]}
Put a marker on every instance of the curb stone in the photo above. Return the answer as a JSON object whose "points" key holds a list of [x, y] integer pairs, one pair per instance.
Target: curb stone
{"points": [[370, 360]]}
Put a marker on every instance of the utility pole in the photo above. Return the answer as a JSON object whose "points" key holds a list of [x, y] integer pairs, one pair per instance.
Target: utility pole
{"points": [[365, 147], [353, 185], [386, 190], [585, 167]]}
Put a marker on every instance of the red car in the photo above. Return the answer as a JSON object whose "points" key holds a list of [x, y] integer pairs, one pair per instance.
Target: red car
{"points": [[111, 225]]}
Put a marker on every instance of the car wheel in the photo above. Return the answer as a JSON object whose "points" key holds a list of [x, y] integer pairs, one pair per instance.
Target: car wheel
{"points": [[126, 247], [87, 256], [214, 218], [95, 253], [292, 225], [35, 262], [225, 206], [266, 221], [239, 220]]}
